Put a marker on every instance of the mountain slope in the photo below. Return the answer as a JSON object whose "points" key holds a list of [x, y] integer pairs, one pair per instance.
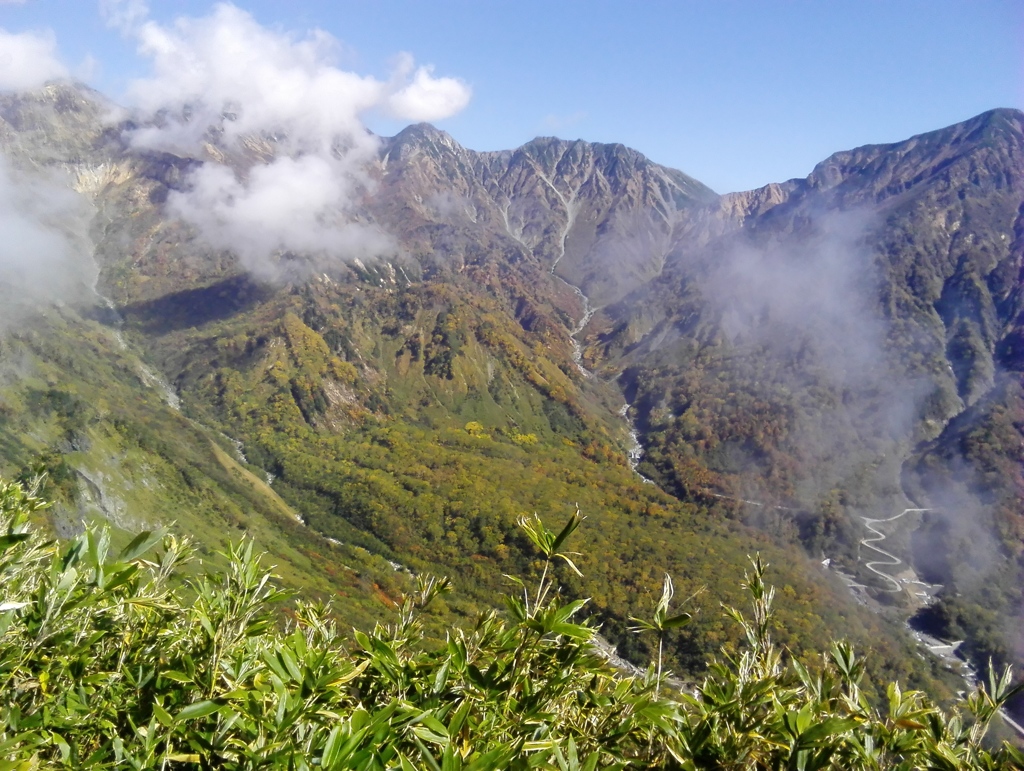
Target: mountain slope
{"points": [[810, 336], [411, 408]]}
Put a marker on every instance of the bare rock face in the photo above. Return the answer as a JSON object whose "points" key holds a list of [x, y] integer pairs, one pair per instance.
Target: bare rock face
{"points": [[60, 123], [739, 207], [601, 216]]}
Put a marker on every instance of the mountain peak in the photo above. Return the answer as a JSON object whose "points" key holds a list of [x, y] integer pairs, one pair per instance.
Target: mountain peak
{"points": [[999, 115], [62, 121], [895, 167], [422, 135]]}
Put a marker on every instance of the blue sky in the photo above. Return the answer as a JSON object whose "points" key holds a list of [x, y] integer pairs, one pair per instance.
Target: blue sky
{"points": [[737, 94]]}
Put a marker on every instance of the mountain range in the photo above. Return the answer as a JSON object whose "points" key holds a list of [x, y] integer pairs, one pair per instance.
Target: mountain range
{"points": [[826, 371]]}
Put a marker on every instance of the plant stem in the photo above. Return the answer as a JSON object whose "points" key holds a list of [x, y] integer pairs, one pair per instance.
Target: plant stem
{"points": [[541, 591], [657, 685]]}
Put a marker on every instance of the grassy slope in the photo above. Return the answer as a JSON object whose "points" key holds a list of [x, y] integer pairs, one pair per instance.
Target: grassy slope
{"points": [[75, 402]]}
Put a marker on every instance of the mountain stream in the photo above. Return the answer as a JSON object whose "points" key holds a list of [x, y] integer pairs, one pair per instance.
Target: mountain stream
{"points": [[635, 451], [149, 377]]}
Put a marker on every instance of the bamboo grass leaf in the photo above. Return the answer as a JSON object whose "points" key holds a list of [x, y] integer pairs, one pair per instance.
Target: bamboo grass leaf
{"points": [[139, 545], [199, 709]]}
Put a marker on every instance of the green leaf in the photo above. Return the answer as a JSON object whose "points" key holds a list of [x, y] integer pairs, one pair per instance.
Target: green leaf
{"points": [[677, 621], [541, 537], [177, 677], [569, 610], [496, 758], [207, 625], [26, 739], [425, 754], [273, 661], [7, 541], [441, 678], [457, 720], [449, 760], [911, 724], [575, 631], [1014, 754], [571, 755], [571, 564], [352, 674], [516, 609], [199, 709], [829, 727], [431, 736], [433, 724], [575, 520], [65, 748], [641, 625], [142, 543], [332, 748], [290, 664], [122, 577], [162, 715]]}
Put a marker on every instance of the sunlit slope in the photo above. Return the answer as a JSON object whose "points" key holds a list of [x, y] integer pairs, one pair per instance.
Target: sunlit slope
{"points": [[413, 408], [86, 410], [432, 464]]}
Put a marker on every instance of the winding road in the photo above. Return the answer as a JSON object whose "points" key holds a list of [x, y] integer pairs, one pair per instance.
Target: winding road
{"points": [[878, 537], [893, 560]]}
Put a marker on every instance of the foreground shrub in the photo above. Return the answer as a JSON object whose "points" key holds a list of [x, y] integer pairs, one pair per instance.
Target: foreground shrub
{"points": [[123, 661]]}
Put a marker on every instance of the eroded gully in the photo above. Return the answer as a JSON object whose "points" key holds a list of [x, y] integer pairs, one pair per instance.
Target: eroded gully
{"points": [[634, 452]]}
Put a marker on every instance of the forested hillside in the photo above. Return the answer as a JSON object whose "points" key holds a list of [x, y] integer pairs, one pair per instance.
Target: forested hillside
{"points": [[845, 347], [798, 359]]}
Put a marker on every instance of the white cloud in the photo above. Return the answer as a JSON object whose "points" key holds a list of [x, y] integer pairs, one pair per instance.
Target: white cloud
{"points": [[228, 72], [88, 68], [289, 204], [424, 98], [227, 80], [28, 60], [125, 15]]}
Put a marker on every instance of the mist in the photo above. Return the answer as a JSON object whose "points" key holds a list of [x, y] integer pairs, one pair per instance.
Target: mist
{"points": [[799, 309], [798, 325], [45, 254], [28, 60], [812, 292]]}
